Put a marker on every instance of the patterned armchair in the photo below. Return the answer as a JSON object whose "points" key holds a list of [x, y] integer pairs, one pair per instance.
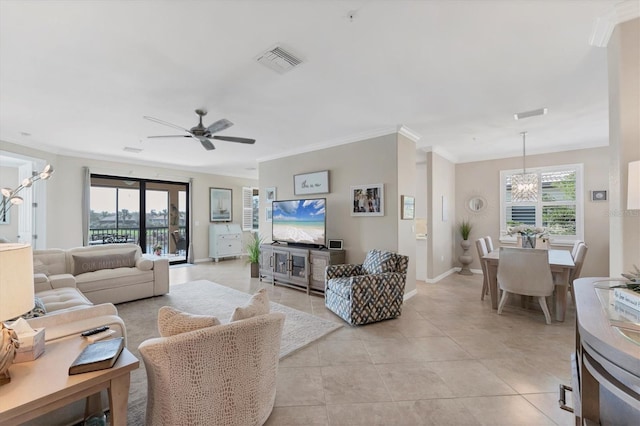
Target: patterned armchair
{"points": [[373, 291]]}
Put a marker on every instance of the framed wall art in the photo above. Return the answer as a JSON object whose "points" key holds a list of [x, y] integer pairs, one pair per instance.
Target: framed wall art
{"points": [[270, 194], [220, 204], [367, 200], [311, 183], [408, 207], [268, 212]]}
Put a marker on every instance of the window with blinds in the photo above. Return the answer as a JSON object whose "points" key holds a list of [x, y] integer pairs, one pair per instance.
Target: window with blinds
{"points": [[559, 207], [250, 209]]}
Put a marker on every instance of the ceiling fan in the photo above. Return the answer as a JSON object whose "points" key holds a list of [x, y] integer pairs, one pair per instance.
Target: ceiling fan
{"points": [[201, 133]]}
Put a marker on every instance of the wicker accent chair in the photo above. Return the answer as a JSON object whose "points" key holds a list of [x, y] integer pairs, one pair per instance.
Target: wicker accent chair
{"points": [[216, 375], [368, 292]]}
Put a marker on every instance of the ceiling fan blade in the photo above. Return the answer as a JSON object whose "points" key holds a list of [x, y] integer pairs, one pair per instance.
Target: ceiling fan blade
{"points": [[206, 143], [219, 125], [234, 139], [170, 136], [157, 120]]}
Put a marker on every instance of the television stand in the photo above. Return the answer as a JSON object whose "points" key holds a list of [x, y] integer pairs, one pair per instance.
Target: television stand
{"points": [[297, 267]]}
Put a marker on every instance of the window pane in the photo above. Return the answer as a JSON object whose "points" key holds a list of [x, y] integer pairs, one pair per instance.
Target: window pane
{"points": [[560, 220], [559, 186], [521, 214]]}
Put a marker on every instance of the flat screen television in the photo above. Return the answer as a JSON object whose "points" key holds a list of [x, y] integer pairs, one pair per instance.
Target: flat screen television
{"points": [[299, 222]]}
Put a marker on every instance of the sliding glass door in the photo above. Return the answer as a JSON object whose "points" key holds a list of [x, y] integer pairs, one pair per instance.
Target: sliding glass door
{"points": [[150, 213]]}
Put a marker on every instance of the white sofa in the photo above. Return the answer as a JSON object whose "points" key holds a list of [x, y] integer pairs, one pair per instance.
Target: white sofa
{"points": [[109, 273], [69, 313]]}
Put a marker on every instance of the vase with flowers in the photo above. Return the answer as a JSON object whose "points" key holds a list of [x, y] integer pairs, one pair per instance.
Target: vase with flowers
{"points": [[529, 234]]}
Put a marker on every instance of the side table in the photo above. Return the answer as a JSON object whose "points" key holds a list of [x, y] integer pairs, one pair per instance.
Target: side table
{"points": [[40, 386]]}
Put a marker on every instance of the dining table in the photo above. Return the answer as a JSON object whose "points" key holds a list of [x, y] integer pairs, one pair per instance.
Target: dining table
{"points": [[561, 264]]}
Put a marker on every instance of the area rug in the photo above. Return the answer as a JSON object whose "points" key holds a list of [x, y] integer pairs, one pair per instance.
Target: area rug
{"points": [[205, 297]]}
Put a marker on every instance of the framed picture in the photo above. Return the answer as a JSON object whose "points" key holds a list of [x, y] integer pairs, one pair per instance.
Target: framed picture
{"points": [[270, 194], [367, 200], [311, 183], [408, 207], [220, 204], [268, 214], [599, 195]]}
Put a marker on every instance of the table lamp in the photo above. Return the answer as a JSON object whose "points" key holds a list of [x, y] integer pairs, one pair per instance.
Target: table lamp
{"points": [[16, 298]]}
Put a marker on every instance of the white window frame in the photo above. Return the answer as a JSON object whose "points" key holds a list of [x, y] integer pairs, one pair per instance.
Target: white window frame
{"points": [[247, 208], [557, 239]]}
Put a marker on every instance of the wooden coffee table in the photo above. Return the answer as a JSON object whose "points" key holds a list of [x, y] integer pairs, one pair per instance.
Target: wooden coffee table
{"points": [[43, 385]]}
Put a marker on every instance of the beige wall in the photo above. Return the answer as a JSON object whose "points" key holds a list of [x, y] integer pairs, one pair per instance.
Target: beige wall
{"points": [[483, 178], [64, 189], [624, 135], [407, 176], [441, 174], [9, 179], [371, 161]]}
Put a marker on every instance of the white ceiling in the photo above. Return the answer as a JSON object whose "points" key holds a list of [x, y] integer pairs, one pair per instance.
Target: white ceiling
{"points": [[79, 76]]}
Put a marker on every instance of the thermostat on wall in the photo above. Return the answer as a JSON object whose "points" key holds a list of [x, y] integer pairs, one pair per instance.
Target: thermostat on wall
{"points": [[335, 244]]}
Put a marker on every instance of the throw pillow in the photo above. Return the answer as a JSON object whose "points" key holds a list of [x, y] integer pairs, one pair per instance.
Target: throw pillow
{"points": [[38, 309], [172, 321], [144, 264], [87, 262], [379, 262], [257, 305]]}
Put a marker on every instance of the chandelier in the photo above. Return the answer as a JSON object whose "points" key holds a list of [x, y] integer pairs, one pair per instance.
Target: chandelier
{"points": [[11, 197], [524, 187]]}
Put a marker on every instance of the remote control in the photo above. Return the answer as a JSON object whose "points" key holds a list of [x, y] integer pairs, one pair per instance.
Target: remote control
{"points": [[95, 331]]}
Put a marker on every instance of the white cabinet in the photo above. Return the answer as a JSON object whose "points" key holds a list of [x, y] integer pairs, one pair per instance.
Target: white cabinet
{"points": [[225, 240]]}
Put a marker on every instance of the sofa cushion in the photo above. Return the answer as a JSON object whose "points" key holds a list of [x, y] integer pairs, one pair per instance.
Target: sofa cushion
{"points": [[39, 267], [340, 286], [257, 305], [112, 278], [90, 262], [172, 321], [62, 280], [379, 262], [63, 298]]}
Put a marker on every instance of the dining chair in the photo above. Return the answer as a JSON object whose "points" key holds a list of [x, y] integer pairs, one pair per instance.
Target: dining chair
{"points": [[489, 243], [481, 246], [578, 260], [525, 272], [574, 250]]}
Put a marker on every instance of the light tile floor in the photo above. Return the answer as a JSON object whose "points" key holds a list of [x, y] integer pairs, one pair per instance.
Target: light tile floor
{"points": [[448, 360]]}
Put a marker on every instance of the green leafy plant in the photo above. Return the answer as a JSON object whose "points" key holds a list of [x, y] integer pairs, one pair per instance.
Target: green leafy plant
{"points": [[157, 247], [253, 248], [465, 229], [634, 279]]}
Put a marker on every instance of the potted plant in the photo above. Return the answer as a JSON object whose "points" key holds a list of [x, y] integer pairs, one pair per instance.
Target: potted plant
{"points": [[465, 258], [253, 253], [157, 249]]}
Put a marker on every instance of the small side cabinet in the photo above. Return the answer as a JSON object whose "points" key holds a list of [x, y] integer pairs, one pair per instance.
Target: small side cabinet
{"points": [[225, 240]]}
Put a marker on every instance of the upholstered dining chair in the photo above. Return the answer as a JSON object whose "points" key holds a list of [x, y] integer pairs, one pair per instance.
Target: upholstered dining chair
{"points": [[216, 375], [574, 250], [525, 272], [489, 243], [578, 260], [481, 246], [368, 292]]}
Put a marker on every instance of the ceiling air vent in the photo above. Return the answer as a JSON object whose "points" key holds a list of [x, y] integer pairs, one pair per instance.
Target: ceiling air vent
{"points": [[278, 60]]}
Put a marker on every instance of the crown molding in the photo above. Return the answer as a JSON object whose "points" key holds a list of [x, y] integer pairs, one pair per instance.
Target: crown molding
{"points": [[441, 152], [604, 25], [408, 133]]}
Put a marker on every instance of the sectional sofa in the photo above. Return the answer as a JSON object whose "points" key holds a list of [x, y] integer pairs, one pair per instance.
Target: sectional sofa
{"points": [[109, 273]]}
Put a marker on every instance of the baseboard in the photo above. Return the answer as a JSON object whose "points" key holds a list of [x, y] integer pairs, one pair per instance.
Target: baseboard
{"points": [[441, 276], [206, 259], [409, 295]]}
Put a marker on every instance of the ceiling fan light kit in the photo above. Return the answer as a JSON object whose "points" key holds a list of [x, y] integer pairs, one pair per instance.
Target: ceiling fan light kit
{"points": [[201, 133]]}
